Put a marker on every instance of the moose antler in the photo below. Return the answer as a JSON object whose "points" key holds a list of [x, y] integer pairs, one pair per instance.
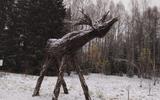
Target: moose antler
{"points": [[102, 20], [104, 17], [85, 20]]}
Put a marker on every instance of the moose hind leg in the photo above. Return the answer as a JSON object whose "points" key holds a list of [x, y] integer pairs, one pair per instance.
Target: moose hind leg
{"points": [[59, 80], [64, 85]]}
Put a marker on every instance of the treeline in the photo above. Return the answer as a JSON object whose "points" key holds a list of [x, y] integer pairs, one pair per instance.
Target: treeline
{"points": [[25, 26], [131, 47]]}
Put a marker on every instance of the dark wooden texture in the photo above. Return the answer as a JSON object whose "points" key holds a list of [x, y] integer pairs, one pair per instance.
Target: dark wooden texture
{"points": [[63, 49]]}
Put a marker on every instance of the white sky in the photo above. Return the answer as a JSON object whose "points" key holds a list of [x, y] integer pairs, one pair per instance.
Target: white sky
{"points": [[151, 3], [128, 4]]}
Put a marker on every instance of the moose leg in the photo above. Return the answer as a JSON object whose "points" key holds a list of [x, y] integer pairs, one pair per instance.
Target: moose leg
{"points": [[40, 79], [64, 86], [82, 80], [81, 77], [63, 81], [59, 80], [83, 83]]}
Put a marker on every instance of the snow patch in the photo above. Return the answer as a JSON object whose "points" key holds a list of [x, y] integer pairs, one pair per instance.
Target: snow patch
{"points": [[20, 87]]}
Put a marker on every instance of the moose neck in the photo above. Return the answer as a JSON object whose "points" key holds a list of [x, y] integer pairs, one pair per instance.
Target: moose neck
{"points": [[73, 41], [80, 38]]}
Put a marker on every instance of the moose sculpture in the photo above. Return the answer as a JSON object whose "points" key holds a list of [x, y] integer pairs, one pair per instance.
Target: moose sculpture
{"points": [[63, 50]]}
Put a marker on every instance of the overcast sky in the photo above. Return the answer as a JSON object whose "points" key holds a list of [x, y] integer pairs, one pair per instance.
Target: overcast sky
{"points": [[151, 2], [127, 3]]}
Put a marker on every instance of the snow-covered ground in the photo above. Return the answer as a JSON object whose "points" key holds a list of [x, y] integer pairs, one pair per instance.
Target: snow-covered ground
{"points": [[20, 87]]}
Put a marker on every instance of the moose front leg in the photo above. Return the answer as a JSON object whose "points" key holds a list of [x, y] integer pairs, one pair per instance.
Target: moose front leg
{"points": [[40, 79], [64, 86], [60, 79], [82, 80], [83, 83]]}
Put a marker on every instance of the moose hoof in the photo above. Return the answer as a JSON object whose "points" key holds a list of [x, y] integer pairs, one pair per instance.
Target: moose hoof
{"points": [[54, 98], [35, 94], [66, 92]]}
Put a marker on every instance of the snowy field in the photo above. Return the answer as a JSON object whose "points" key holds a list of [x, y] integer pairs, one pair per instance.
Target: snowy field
{"points": [[20, 87]]}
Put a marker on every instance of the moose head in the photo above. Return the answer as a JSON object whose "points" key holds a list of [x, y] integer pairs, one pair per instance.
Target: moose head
{"points": [[101, 26]]}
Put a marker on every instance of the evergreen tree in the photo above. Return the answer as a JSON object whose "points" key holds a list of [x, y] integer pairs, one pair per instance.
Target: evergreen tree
{"points": [[29, 24], [2, 24]]}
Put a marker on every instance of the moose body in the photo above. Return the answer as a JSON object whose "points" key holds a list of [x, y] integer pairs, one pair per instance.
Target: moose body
{"points": [[63, 51]]}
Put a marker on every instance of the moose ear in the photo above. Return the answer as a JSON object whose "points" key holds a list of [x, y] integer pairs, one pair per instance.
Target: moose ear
{"points": [[104, 17], [85, 20]]}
